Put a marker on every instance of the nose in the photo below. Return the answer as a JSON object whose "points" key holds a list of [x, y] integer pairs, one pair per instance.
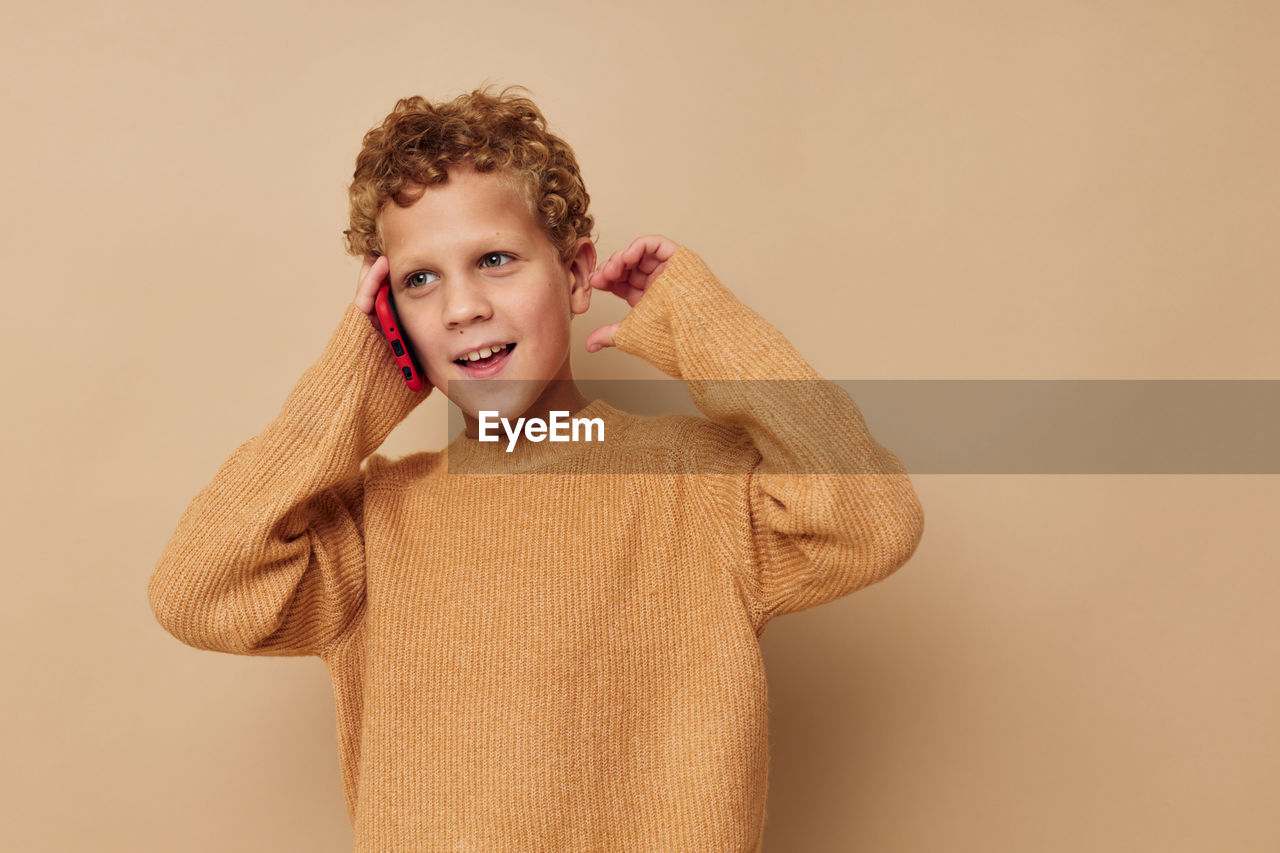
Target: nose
{"points": [[465, 302]]}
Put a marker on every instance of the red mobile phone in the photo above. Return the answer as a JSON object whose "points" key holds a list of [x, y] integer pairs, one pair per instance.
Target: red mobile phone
{"points": [[385, 308]]}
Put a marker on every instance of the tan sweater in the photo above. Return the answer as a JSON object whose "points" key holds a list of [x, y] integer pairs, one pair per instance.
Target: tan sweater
{"points": [[564, 657]]}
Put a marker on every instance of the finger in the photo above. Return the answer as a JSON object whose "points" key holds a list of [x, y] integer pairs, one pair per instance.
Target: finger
{"points": [[625, 267], [634, 253], [643, 246], [620, 289], [662, 247], [614, 267], [619, 285], [621, 275], [378, 273], [646, 257], [600, 280], [637, 265], [365, 264], [370, 284], [602, 337], [633, 298], [650, 262]]}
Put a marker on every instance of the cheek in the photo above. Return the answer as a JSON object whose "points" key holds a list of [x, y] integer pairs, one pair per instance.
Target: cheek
{"points": [[427, 344]]}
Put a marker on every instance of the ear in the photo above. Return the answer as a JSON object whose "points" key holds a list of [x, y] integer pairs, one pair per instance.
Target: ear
{"points": [[579, 270]]}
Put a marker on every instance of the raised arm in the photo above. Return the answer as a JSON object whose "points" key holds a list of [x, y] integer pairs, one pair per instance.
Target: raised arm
{"points": [[269, 557], [830, 509]]}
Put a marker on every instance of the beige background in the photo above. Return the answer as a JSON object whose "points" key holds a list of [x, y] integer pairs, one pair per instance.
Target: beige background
{"points": [[998, 189]]}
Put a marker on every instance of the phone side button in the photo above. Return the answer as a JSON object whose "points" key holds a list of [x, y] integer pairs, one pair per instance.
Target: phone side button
{"points": [[397, 348]]}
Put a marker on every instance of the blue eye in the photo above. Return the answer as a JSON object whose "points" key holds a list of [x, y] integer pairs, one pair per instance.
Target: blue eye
{"points": [[417, 280], [411, 281], [494, 255]]}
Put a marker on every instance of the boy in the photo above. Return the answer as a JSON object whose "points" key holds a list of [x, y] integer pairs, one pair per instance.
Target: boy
{"points": [[550, 659]]}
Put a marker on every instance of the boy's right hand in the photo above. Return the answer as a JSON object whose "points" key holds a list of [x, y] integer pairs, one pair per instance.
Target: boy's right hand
{"points": [[373, 272]]}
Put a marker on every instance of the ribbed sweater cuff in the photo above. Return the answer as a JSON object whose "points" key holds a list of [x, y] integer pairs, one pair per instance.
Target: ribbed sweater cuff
{"points": [[354, 385], [690, 326], [647, 330]]}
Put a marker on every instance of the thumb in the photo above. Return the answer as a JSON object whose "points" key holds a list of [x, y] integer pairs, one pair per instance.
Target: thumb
{"points": [[602, 337]]}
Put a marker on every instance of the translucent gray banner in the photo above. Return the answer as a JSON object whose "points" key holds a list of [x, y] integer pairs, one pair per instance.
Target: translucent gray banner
{"points": [[978, 426]]}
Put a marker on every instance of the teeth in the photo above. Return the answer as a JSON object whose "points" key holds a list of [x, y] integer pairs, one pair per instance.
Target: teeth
{"points": [[476, 355]]}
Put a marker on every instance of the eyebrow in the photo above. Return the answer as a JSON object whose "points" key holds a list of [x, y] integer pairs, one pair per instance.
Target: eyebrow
{"points": [[480, 249]]}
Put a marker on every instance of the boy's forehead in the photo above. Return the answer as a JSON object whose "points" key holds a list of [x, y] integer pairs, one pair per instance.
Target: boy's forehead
{"points": [[467, 204], [467, 210]]}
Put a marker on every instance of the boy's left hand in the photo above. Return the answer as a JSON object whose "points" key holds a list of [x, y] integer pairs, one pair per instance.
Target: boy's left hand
{"points": [[626, 274]]}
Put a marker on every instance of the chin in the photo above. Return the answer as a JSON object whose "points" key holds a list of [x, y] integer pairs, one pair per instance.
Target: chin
{"points": [[509, 402]]}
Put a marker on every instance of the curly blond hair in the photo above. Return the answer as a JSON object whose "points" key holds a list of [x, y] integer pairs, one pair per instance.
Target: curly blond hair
{"points": [[418, 141]]}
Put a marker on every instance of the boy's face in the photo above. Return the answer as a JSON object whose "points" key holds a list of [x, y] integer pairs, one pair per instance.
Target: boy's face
{"points": [[470, 267]]}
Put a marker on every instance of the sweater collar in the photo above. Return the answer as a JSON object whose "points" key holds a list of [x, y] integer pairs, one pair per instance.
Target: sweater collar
{"points": [[466, 455]]}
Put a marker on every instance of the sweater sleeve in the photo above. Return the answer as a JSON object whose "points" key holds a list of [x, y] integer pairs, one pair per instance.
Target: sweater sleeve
{"points": [[268, 559], [828, 509]]}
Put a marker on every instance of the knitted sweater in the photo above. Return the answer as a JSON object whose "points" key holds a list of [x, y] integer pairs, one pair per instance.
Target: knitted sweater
{"points": [[563, 657]]}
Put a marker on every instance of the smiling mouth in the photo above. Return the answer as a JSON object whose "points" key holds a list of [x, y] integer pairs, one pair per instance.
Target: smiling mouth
{"points": [[491, 359]]}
